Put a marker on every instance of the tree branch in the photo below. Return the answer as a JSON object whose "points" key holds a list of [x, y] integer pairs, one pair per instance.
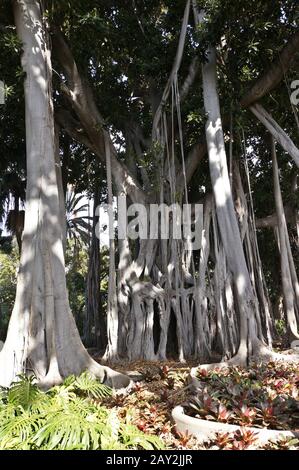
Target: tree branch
{"points": [[277, 132], [275, 73], [80, 96], [189, 80], [270, 221], [73, 128]]}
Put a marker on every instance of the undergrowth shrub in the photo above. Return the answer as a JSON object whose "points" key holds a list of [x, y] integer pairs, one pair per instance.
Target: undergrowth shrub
{"points": [[67, 417]]}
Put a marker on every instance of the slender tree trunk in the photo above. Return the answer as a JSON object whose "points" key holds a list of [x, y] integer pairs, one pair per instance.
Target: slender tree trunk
{"points": [[60, 187], [112, 308], [251, 249], [42, 336], [19, 222], [289, 296], [94, 324]]}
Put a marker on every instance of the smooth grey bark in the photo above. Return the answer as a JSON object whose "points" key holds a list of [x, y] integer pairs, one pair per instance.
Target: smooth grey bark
{"points": [[42, 336], [265, 83], [245, 212], [276, 131], [174, 71], [112, 308], [270, 221], [61, 193], [289, 296], [156, 279], [227, 221]]}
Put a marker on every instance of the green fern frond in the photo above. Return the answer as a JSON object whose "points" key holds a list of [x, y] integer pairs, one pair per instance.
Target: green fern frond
{"points": [[132, 437], [91, 387], [65, 418], [3, 395], [77, 425], [7, 412], [110, 434], [62, 394], [19, 430], [24, 392], [69, 381]]}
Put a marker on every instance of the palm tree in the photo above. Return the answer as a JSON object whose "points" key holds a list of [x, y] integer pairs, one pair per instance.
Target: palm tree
{"points": [[12, 193], [78, 226]]}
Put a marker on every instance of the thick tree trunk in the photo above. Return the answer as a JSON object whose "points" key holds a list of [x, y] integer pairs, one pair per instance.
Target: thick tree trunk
{"points": [[159, 298], [80, 97], [227, 220], [42, 336], [269, 80]]}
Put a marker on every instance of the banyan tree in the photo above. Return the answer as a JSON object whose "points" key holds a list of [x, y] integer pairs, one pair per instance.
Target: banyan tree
{"points": [[178, 103]]}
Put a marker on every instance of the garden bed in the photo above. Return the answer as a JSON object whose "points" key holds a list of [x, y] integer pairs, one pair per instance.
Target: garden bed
{"points": [[262, 399]]}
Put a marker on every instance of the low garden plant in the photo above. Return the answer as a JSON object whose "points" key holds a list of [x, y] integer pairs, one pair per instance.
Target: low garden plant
{"points": [[67, 417], [262, 396]]}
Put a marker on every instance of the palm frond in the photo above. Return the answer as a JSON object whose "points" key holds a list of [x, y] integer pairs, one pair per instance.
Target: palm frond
{"points": [[91, 387], [78, 226]]}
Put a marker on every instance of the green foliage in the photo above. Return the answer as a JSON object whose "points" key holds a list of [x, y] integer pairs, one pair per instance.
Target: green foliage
{"points": [[67, 417], [76, 261], [78, 225], [86, 384], [24, 393], [8, 277], [280, 327]]}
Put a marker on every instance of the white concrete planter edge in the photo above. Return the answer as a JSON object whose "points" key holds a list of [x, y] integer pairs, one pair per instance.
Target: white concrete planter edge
{"points": [[204, 430]]}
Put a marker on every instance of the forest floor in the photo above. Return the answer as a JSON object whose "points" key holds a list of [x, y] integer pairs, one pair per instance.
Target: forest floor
{"points": [[161, 387]]}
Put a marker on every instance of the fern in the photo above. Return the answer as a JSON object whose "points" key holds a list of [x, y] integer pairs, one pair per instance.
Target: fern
{"points": [[87, 384], [110, 435], [3, 395], [66, 417], [18, 430], [70, 429], [118, 435], [24, 392], [132, 437]]}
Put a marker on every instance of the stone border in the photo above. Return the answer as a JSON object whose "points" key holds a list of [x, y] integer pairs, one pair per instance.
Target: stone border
{"points": [[204, 430]]}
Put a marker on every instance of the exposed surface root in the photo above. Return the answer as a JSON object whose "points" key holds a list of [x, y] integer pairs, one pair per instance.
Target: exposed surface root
{"points": [[261, 354], [108, 376]]}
